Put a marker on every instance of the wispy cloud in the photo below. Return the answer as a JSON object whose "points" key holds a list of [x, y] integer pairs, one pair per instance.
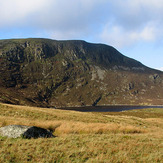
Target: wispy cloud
{"points": [[118, 36], [71, 18], [133, 21], [19, 12], [161, 68]]}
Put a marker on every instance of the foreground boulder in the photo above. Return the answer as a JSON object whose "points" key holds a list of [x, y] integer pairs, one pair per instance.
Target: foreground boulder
{"points": [[15, 131]]}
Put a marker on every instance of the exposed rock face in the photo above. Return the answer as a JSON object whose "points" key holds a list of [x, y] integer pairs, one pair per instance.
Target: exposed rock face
{"points": [[15, 131], [52, 73]]}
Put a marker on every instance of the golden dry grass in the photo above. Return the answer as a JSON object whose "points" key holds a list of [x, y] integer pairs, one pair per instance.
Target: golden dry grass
{"points": [[84, 137]]}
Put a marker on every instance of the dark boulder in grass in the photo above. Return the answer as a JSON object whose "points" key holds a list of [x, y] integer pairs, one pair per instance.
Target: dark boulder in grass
{"points": [[16, 131]]}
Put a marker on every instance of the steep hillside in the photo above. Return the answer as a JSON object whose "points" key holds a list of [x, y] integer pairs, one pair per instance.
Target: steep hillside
{"points": [[42, 72]]}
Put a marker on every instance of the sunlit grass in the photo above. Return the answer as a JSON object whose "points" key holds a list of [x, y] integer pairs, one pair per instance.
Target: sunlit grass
{"points": [[130, 136]]}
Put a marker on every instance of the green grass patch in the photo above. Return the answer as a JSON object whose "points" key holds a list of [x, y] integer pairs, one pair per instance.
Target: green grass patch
{"points": [[141, 113]]}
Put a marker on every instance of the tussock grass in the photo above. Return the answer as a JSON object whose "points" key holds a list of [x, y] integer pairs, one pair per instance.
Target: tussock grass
{"points": [[84, 137], [82, 148], [69, 127]]}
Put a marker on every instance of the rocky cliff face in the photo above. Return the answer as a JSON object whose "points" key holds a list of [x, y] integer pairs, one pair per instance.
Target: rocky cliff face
{"points": [[43, 72]]}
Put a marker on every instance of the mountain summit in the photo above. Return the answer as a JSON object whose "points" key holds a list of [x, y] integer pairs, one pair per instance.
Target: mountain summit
{"points": [[50, 73]]}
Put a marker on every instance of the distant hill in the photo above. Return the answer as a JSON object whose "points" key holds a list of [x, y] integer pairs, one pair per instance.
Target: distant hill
{"points": [[50, 73]]}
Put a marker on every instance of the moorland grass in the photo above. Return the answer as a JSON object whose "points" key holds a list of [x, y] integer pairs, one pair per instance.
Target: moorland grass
{"points": [[131, 136]]}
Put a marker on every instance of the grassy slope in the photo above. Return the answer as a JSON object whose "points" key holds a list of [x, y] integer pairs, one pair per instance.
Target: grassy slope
{"points": [[131, 136]]}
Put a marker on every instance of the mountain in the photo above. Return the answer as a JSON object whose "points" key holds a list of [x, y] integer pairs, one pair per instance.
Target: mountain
{"points": [[50, 73]]}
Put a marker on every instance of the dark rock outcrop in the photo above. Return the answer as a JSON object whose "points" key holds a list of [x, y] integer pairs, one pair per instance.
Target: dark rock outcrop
{"points": [[15, 131]]}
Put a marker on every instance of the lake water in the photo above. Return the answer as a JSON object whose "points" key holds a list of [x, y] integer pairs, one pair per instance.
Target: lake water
{"points": [[116, 108]]}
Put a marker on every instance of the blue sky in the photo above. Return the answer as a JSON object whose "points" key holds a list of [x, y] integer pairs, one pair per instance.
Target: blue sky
{"points": [[134, 27]]}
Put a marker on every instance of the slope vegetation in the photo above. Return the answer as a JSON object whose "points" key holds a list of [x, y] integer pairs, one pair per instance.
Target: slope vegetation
{"points": [[50, 73]]}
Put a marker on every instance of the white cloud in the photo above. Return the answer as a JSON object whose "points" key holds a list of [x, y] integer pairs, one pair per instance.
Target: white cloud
{"points": [[161, 68], [118, 36], [120, 23], [133, 21], [48, 13], [62, 18], [14, 12]]}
